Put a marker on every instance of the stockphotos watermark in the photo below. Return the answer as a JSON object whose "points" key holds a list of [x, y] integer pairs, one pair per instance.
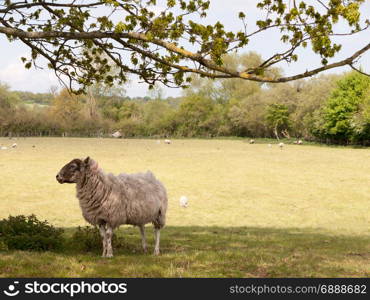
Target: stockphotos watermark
{"points": [[64, 288]]}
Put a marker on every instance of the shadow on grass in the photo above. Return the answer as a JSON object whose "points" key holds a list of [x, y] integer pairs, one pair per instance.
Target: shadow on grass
{"points": [[204, 252]]}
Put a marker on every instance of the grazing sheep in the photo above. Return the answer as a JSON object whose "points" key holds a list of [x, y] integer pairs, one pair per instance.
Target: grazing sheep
{"points": [[4, 148], [251, 142], [109, 201], [299, 142], [167, 141], [281, 145], [14, 145], [184, 201], [117, 134]]}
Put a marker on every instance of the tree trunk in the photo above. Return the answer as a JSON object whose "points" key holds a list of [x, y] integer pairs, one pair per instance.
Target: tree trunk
{"points": [[285, 133], [276, 132]]}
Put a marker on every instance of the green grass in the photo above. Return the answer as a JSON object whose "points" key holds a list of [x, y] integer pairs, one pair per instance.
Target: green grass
{"points": [[254, 211], [207, 252]]}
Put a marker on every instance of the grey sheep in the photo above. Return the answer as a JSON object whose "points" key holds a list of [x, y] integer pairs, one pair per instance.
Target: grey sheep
{"points": [[108, 201]]}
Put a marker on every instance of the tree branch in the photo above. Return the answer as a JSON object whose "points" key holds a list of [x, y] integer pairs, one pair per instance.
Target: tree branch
{"points": [[225, 73], [77, 43], [358, 70]]}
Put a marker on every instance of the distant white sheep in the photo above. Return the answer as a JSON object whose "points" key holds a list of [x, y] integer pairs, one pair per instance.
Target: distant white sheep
{"points": [[14, 145], [184, 201], [269, 145], [281, 145], [117, 134], [167, 141], [4, 148], [299, 142], [251, 141]]}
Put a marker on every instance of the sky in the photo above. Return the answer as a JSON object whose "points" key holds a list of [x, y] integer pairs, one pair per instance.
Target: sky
{"points": [[13, 73]]}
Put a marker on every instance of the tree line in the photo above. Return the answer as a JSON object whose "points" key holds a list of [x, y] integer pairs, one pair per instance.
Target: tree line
{"points": [[329, 108]]}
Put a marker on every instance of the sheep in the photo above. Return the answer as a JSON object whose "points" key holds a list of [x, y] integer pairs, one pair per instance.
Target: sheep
{"points": [[251, 141], [269, 145], [281, 145], [299, 142], [108, 201], [14, 145], [4, 148], [117, 134], [167, 141], [184, 201]]}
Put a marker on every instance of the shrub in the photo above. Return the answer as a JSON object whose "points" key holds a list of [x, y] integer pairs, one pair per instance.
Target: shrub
{"points": [[88, 239], [28, 233]]}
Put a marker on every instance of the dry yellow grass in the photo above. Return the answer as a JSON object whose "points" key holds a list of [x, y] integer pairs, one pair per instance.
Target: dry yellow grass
{"points": [[229, 183]]}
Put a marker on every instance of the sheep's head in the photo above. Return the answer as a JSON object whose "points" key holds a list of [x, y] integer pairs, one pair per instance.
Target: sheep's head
{"points": [[74, 170]]}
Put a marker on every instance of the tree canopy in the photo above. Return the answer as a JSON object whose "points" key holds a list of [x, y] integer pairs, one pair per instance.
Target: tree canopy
{"points": [[345, 116], [83, 40]]}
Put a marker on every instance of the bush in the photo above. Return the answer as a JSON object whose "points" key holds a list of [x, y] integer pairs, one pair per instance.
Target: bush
{"points": [[28, 233], [88, 239]]}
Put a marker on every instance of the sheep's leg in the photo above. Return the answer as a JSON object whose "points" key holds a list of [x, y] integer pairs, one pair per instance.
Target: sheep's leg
{"points": [[143, 238], [104, 239], [157, 237], [109, 234]]}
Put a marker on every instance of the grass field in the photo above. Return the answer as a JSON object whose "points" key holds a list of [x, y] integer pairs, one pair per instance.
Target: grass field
{"points": [[254, 211]]}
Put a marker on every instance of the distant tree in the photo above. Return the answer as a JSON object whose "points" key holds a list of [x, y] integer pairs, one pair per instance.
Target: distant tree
{"points": [[344, 116], [247, 117], [310, 96], [66, 109], [361, 121], [8, 102], [158, 116], [193, 116], [53, 89], [277, 117], [223, 90], [7, 99], [166, 47]]}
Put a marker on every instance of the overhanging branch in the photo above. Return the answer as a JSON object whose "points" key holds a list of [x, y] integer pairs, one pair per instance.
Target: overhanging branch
{"points": [[215, 70]]}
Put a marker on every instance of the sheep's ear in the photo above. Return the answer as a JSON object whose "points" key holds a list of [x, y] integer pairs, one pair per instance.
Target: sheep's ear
{"points": [[87, 160]]}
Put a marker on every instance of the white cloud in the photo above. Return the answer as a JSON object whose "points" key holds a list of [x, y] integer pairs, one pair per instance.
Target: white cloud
{"points": [[13, 72], [20, 78]]}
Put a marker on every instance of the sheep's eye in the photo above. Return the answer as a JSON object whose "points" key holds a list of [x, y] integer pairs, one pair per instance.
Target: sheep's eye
{"points": [[73, 167]]}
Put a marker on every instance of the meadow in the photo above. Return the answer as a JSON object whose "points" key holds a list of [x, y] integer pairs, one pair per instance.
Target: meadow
{"points": [[254, 210]]}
